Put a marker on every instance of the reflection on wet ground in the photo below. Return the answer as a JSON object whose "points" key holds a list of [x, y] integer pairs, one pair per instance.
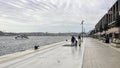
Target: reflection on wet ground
{"points": [[76, 50]]}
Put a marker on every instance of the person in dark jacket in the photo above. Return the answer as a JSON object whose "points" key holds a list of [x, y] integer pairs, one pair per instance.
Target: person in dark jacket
{"points": [[79, 40], [72, 40], [107, 39]]}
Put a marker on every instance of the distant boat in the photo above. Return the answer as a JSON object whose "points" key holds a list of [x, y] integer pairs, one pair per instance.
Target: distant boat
{"points": [[21, 37]]}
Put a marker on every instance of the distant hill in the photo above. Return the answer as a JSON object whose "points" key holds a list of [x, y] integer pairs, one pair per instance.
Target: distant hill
{"points": [[37, 34], [1, 33]]}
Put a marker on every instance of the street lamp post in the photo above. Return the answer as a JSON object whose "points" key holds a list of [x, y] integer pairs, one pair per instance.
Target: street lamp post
{"points": [[82, 29]]}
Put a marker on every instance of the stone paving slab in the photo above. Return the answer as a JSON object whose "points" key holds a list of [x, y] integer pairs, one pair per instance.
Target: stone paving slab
{"points": [[98, 55]]}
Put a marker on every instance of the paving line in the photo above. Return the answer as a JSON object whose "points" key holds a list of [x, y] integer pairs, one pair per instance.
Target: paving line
{"points": [[82, 56]]}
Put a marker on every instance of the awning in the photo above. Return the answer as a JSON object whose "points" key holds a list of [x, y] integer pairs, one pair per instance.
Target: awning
{"points": [[103, 32], [113, 30]]}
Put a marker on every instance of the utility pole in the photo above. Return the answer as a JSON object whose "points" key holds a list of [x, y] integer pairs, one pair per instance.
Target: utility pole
{"points": [[82, 29]]}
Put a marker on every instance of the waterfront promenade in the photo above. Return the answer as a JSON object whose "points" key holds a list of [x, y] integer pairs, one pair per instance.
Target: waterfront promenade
{"points": [[100, 55], [91, 54], [50, 56]]}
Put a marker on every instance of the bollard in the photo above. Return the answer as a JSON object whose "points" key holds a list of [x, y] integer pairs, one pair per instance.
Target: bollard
{"points": [[66, 40], [36, 47]]}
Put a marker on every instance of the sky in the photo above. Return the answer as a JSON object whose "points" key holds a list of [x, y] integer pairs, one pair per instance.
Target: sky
{"points": [[51, 15]]}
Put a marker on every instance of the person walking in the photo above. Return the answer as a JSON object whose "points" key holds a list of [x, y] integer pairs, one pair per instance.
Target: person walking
{"points": [[75, 42], [72, 41], [79, 40], [107, 39]]}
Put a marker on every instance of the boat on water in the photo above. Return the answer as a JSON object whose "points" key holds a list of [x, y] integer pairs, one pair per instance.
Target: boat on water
{"points": [[21, 37]]}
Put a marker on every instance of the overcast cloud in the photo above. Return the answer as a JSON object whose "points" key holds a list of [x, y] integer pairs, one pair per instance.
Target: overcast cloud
{"points": [[51, 15]]}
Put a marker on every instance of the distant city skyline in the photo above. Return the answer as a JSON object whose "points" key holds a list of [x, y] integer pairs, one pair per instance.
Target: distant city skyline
{"points": [[52, 16]]}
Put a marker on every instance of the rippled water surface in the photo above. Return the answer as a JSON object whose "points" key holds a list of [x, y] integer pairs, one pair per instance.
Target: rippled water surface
{"points": [[9, 45]]}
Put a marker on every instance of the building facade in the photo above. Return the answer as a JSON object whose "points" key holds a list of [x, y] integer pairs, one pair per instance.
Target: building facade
{"points": [[109, 24]]}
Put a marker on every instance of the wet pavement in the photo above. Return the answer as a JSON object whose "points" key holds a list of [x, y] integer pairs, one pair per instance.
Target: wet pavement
{"points": [[98, 55], [58, 56], [92, 54]]}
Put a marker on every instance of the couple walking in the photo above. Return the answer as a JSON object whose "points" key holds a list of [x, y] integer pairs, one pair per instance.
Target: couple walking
{"points": [[74, 42]]}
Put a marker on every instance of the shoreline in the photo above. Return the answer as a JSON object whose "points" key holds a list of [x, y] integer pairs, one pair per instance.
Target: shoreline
{"points": [[9, 45], [8, 57]]}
